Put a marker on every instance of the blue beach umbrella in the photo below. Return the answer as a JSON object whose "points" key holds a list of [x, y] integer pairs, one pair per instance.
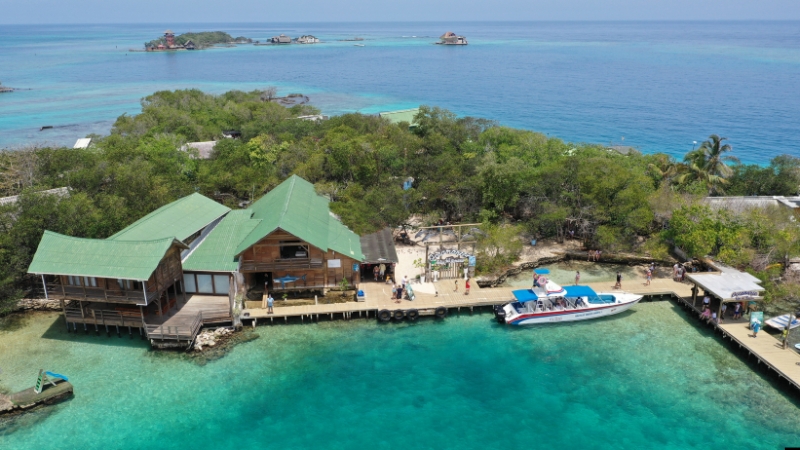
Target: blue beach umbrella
{"points": [[542, 271]]}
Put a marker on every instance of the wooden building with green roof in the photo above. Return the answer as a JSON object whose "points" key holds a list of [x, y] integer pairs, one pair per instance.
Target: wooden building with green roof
{"points": [[141, 276], [286, 240], [135, 277]]}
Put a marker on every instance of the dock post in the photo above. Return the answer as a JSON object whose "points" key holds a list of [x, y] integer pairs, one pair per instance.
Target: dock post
{"points": [[315, 300], [118, 335], [130, 331], [285, 319]]}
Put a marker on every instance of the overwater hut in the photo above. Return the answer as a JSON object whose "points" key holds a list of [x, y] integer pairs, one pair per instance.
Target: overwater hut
{"points": [[281, 39], [307, 39], [450, 38]]}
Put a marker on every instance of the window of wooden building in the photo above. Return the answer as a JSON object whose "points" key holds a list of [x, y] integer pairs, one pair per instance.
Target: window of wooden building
{"points": [[206, 283]]}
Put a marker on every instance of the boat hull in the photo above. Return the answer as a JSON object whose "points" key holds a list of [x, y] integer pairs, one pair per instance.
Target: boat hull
{"points": [[571, 315]]}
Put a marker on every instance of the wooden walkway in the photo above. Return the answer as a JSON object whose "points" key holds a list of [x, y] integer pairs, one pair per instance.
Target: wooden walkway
{"points": [[770, 351], [765, 348], [378, 298]]}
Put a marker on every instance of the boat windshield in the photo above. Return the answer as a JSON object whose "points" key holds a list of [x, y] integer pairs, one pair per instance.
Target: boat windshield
{"points": [[602, 299]]}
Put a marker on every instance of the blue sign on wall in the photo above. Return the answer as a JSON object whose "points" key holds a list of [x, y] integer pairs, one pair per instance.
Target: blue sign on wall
{"points": [[355, 267], [472, 261]]}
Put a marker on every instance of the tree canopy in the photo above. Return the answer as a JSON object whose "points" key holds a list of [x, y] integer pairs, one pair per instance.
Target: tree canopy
{"points": [[464, 169]]}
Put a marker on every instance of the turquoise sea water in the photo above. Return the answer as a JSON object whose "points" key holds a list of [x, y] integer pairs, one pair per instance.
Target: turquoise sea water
{"points": [[644, 379], [660, 85]]}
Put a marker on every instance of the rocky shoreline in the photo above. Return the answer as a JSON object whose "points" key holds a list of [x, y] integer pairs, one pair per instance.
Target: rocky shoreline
{"points": [[37, 304], [568, 256]]}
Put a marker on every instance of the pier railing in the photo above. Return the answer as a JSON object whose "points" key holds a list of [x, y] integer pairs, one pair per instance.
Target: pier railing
{"points": [[188, 330]]}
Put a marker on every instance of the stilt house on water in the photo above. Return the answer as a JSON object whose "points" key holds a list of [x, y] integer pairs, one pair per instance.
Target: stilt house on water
{"points": [[451, 38], [181, 266], [281, 39]]}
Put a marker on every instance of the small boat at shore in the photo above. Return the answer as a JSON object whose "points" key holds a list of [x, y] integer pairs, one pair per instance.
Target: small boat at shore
{"points": [[780, 322], [548, 303]]}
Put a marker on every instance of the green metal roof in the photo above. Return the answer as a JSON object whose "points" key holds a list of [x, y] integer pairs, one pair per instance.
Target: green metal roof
{"points": [[294, 207], [344, 241], [181, 219], [403, 115], [132, 260], [217, 251]]}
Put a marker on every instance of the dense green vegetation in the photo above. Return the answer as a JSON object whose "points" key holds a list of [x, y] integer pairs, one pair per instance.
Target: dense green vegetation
{"points": [[464, 169], [201, 39]]}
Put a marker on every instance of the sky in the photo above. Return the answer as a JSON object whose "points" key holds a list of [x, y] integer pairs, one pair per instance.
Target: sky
{"points": [[265, 11]]}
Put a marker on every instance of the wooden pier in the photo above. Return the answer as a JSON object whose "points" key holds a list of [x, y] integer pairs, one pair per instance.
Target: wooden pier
{"points": [[378, 298], [765, 348]]}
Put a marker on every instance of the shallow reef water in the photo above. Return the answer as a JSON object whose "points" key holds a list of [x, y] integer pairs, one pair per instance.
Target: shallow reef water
{"points": [[648, 378]]}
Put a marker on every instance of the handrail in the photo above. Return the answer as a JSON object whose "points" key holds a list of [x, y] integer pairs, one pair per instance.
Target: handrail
{"points": [[188, 333]]}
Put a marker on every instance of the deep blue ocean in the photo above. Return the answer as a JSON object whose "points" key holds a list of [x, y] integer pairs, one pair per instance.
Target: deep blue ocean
{"points": [[652, 85]]}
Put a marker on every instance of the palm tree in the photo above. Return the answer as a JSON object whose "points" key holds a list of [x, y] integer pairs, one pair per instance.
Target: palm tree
{"points": [[708, 164]]}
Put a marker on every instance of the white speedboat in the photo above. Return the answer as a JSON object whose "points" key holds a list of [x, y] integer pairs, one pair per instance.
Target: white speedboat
{"points": [[549, 303]]}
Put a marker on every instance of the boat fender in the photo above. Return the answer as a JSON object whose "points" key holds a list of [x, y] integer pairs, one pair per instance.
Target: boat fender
{"points": [[398, 315], [384, 315], [412, 315], [441, 312]]}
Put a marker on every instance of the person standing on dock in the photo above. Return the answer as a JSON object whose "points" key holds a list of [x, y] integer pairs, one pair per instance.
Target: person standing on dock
{"points": [[785, 334], [648, 277], [270, 302], [382, 270], [456, 289], [577, 277], [756, 328], [675, 272], [619, 281], [737, 311], [707, 302], [466, 287], [375, 273]]}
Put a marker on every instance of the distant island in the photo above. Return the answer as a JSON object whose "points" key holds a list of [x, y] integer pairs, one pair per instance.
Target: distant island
{"points": [[193, 41]]}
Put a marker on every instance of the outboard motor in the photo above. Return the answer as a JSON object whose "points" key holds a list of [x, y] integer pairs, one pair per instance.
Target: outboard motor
{"points": [[500, 313]]}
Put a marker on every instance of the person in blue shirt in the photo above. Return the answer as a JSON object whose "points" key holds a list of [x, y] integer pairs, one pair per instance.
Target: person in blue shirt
{"points": [[270, 301]]}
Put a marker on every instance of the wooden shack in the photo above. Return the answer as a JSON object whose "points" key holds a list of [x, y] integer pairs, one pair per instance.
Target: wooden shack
{"points": [[450, 38]]}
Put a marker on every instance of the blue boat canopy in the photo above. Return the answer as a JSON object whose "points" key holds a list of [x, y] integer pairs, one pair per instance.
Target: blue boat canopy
{"points": [[525, 295], [580, 291], [542, 271]]}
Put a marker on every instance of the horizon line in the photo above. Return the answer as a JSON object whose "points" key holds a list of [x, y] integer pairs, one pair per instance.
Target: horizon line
{"points": [[418, 21]]}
